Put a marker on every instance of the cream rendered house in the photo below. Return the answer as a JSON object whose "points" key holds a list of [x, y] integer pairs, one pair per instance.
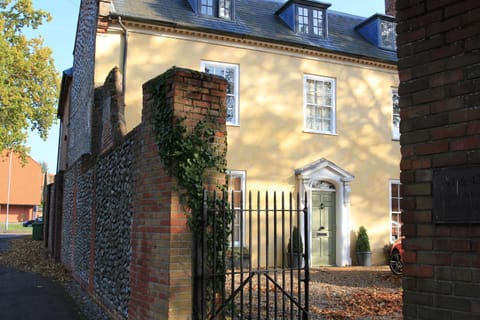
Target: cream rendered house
{"points": [[312, 102]]}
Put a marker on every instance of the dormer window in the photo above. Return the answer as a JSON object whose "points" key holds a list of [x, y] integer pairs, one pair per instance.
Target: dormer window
{"points": [[311, 21], [206, 7], [305, 17], [379, 30], [216, 8], [388, 35]]}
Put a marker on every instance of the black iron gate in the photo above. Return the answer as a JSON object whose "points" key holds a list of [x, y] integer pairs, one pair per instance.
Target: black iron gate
{"points": [[245, 264]]}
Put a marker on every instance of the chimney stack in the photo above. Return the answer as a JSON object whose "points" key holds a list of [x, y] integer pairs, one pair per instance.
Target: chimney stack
{"points": [[390, 7]]}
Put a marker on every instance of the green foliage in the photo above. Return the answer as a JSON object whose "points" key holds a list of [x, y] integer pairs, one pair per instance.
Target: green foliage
{"points": [[295, 243], [363, 243], [190, 157], [15, 227], [238, 252], [28, 79]]}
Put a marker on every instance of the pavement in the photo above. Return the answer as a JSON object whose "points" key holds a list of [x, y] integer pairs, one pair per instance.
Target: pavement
{"points": [[27, 296]]}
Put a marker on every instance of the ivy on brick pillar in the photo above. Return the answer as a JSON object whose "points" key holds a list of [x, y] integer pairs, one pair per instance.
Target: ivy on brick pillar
{"points": [[161, 270]]}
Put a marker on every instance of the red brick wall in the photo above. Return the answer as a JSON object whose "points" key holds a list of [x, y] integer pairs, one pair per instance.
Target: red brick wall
{"points": [[390, 7], [161, 268], [25, 184], [16, 213], [439, 69]]}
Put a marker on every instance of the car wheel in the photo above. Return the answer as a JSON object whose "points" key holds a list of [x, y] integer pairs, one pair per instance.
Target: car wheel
{"points": [[396, 264]]}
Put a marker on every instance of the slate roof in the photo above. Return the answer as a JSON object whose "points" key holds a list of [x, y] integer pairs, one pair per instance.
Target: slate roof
{"points": [[256, 19]]}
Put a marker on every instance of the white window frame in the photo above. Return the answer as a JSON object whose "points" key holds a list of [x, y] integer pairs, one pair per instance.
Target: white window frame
{"points": [[235, 94], [387, 37], [207, 5], [303, 20], [242, 176], [225, 9], [311, 21], [216, 8], [318, 22], [395, 115], [398, 197], [332, 130]]}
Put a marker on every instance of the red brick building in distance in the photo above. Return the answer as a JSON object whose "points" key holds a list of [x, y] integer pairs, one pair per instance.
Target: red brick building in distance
{"points": [[26, 181]]}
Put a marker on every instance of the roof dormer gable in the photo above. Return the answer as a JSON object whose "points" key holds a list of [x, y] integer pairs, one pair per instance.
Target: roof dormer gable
{"points": [[307, 17], [379, 30], [214, 8]]}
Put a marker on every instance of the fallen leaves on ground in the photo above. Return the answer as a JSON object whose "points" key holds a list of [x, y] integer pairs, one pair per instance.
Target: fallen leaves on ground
{"points": [[347, 293], [336, 293], [361, 303], [364, 302], [337, 299], [29, 255], [374, 302]]}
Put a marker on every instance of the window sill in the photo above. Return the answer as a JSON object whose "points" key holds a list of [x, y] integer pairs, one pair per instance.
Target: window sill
{"points": [[311, 36], [321, 132], [215, 18]]}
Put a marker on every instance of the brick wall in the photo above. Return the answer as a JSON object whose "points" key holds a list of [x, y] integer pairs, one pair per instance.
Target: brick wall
{"points": [[109, 276], [108, 121], [439, 70], [125, 236], [161, 270], [16, 213], [98, 204], [97, 217], [390, 7]]}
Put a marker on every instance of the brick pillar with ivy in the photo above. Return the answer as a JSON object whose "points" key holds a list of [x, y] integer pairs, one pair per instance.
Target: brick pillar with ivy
{"points": [[161, 267], [439, 70]]}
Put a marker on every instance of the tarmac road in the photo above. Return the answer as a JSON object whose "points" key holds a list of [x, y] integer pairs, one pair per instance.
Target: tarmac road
{"points": [[27, 296]]}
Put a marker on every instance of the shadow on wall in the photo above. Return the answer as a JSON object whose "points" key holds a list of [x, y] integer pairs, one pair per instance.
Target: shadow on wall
{"points": [[270, 142]]}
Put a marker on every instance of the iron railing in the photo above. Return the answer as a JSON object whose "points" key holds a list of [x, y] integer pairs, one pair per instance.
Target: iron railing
{"points": [[246, 271]]}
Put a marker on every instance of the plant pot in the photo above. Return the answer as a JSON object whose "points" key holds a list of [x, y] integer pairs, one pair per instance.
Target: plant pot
{"points": [[364, 258], [295, 260], [239, 259], [239, 262]]}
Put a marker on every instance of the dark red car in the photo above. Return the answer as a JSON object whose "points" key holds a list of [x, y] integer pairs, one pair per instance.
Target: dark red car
{"points": [[396, 255]]}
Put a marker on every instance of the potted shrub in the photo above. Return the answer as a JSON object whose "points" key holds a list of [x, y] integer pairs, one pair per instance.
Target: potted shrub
{"points": [[295, 249], [362, 248], [237, 257]]}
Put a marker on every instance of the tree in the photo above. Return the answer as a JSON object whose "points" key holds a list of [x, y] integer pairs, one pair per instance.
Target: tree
{"points": [[28, 79]]}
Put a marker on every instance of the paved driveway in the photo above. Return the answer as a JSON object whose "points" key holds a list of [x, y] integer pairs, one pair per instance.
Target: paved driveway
{"points": [[26, 296]]}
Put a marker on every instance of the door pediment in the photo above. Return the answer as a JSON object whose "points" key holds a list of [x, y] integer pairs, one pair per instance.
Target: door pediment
{"points": [[324, 168]]}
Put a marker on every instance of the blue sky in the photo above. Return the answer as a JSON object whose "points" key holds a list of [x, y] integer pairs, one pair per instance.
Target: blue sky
{"points": [[59, 35]]}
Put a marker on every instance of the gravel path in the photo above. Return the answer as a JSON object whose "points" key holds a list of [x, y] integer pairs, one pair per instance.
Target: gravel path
{"points": [[355, 293], [335, 293]]}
